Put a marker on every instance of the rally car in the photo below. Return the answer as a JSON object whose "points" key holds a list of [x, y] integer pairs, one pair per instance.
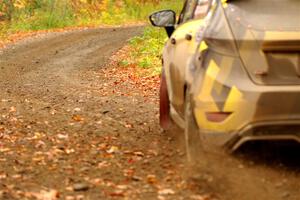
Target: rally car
{"points": [[242, 82]]}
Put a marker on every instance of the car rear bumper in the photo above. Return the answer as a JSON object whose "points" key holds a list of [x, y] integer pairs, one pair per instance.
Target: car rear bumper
{"points": [[259, 131]]}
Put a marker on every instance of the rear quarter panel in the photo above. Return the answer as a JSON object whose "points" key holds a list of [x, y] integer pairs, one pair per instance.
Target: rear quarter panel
{"points": [[176, 58]]}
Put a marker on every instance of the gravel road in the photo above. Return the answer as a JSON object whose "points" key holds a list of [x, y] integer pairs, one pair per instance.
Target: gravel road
{"points": [[65, 133]]}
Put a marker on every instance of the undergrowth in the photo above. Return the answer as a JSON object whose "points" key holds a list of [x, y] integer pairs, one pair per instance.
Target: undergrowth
{"points": [[48, 14], [132, 11], [146, 50]]}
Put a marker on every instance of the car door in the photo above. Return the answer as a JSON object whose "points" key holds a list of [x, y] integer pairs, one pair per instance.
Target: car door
{"points": [[178, 52]]}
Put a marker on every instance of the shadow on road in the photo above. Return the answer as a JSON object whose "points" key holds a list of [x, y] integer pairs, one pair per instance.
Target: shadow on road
{"points": [[278, 155]]}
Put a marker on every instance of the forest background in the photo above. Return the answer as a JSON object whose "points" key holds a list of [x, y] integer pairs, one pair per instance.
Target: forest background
{"points": [[21, 16]]}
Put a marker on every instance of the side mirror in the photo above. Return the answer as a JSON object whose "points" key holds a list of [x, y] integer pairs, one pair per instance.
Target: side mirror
{"points": [[163, 18]]}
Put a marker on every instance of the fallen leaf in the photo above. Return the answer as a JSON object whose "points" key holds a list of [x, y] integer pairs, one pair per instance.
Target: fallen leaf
{"points": [[12, 109], [77, 109], [77, 118], [139, 153], [151, 179], [166, 192], [113, 149], [117, 193], [62, 137], [46, 195], [103, 164]]}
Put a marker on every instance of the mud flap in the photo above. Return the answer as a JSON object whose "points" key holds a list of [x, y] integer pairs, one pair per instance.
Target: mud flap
{"points": [[164, 104]]}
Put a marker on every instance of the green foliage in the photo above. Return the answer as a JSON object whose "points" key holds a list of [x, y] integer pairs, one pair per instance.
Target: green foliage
{"points": [[124, 63], [47, 14], [132, 10], [43, 14], [6, 9], [148, 48]]}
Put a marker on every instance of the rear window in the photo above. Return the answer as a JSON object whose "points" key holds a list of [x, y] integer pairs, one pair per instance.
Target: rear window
{"points": [[279, 15]]}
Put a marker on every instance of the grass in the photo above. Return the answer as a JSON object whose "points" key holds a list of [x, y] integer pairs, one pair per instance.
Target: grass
{"points": [[48, 14], [146, 50]]}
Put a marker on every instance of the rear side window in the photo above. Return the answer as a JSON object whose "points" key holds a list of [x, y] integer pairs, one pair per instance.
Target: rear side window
{"points": [[194, 9], [188, 10], [202, 9], [279, 15]]}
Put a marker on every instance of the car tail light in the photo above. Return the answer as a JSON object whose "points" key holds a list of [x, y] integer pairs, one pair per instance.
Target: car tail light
{"points": [[217, 116]]}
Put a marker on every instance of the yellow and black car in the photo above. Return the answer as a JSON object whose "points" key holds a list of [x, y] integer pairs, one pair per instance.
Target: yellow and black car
{"points": [[242, 82]]}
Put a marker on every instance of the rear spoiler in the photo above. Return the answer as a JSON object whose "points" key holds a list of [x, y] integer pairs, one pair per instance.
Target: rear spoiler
{"points": [[281, 46], [281, 42]]}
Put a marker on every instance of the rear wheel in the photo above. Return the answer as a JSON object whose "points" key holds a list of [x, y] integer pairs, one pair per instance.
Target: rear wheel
{"points": [[191, 132], [164, 104]]}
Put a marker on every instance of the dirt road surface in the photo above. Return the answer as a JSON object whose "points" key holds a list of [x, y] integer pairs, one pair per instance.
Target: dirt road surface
{"points": [[68, 131]]}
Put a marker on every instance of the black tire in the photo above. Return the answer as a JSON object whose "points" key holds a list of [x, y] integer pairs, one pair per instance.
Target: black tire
{"points": [[191, 132], [164, 104]]}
